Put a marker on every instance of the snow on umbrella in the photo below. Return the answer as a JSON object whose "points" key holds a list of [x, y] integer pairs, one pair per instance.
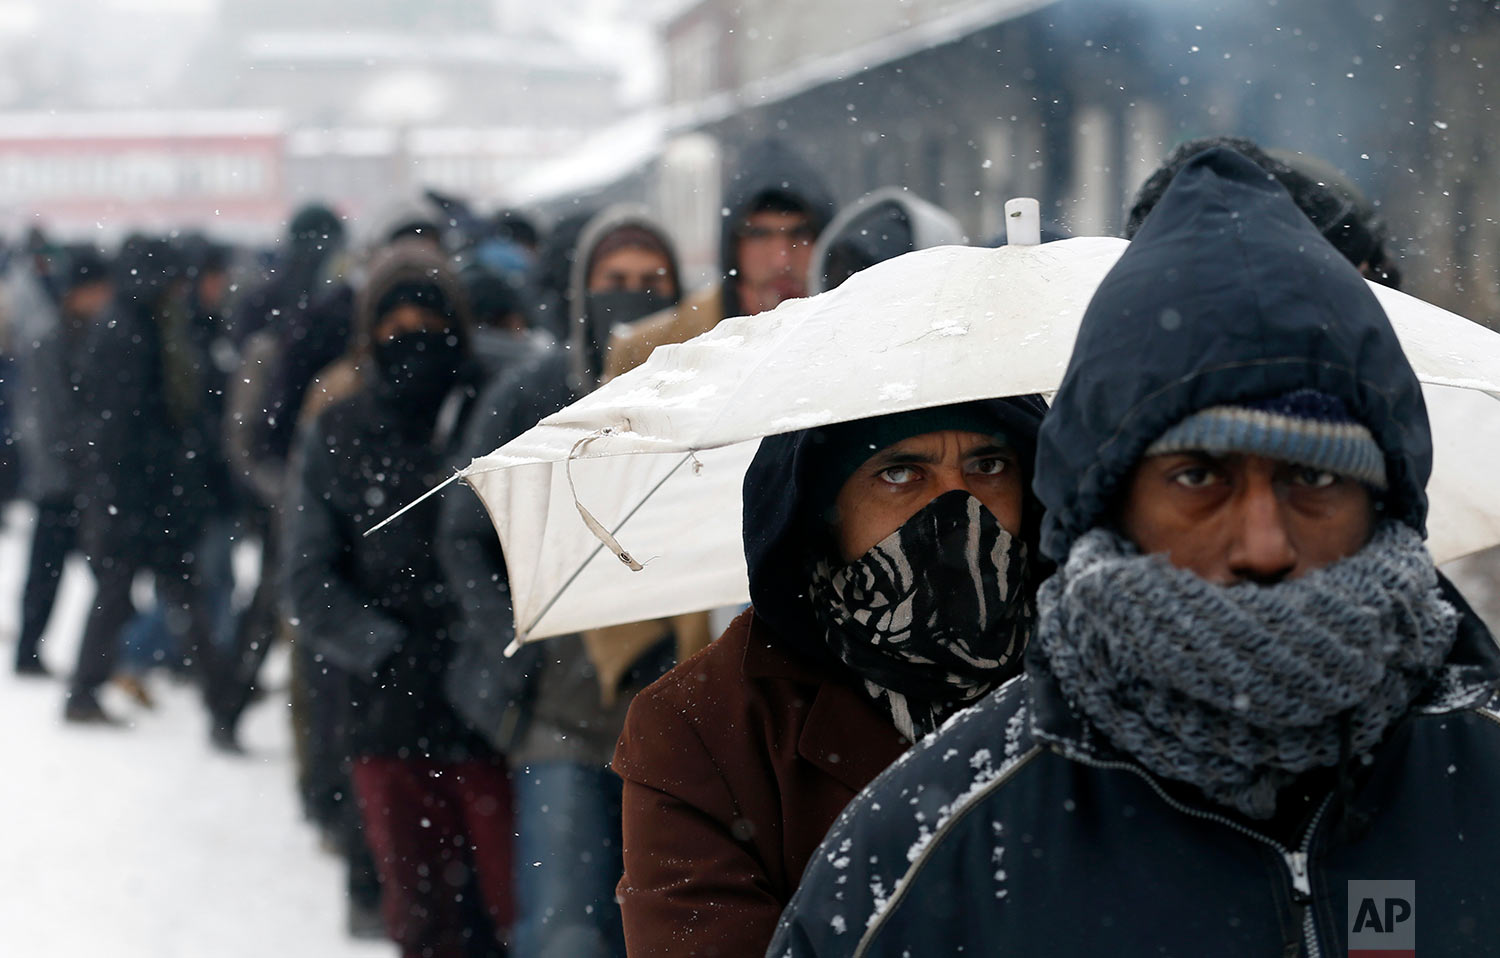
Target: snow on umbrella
{"points": [[659, 454]]}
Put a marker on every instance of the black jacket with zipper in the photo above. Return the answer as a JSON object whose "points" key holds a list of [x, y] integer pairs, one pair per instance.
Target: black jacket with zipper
{"points": [[1020, 831]]}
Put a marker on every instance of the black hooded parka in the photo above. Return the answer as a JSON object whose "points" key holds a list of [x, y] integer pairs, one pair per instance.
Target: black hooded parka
{"points": [[1018, 828]]}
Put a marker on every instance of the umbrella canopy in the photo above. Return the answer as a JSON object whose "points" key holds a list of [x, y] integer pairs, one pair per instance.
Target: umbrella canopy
{"points": [[626, 505]]}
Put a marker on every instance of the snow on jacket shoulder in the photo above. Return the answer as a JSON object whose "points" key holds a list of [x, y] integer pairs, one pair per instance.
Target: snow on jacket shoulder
{"points": [[984, 839]]}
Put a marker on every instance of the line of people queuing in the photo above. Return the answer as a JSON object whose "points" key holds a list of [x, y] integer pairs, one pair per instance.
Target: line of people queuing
{"points": [[644, 788]]}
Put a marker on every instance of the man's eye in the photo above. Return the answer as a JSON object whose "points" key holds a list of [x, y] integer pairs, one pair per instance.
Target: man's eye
{"points": [[991, 466], [1194, 477], [1314, 478], [899, 475]]}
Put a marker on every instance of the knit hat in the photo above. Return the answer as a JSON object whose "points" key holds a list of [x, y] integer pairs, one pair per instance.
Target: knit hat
{"points": [[315, 224], [424, 293], [628, 236], [1228, 296], [1305, 427]]}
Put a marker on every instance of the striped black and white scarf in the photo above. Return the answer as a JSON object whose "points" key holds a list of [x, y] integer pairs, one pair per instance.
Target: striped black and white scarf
{"points": [[933, 616]]}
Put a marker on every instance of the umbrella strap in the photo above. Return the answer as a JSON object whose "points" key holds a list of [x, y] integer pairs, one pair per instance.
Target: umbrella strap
{"points": [[605, 539], [597, 528]]}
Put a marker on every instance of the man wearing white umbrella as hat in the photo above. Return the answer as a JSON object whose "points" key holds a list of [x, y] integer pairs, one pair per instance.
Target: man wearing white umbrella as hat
{"points": [[1254, 719]]}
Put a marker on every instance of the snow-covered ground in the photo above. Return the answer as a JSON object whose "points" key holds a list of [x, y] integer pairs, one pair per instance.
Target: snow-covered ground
{"points": [[144, 842]]}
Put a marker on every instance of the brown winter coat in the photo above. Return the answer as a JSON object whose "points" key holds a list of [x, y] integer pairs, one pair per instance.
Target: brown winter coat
{"points": [[631, 345], [736, 763]]}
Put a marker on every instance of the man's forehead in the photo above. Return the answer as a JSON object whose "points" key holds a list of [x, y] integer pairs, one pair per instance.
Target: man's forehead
{"points": [[777, 219], [967, 442], [1230, 458]]}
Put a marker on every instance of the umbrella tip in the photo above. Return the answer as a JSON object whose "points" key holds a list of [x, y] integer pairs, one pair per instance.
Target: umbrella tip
{"points": [[1023, 222]]}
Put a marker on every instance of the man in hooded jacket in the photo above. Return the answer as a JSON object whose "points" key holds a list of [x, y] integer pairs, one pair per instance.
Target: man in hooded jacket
{"points": [[880, 225], [51, 418], [433, 795], [1253, 711], [144, 491], [775, 207], [301, 324], [556, 707], [893, 570]]}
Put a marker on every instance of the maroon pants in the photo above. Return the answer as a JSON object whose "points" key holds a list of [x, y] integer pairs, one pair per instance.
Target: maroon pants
{"points": [[438, 829]]}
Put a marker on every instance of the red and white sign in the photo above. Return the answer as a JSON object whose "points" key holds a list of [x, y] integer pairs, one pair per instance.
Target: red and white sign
{"points": [[214, 170]]}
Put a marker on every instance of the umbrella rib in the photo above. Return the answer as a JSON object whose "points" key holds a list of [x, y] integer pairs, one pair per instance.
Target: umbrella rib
{"points": [[556, 596]]}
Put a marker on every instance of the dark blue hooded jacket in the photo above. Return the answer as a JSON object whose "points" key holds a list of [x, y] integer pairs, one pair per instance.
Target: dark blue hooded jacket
{"points": [[1228, 293], [1018, 829]]}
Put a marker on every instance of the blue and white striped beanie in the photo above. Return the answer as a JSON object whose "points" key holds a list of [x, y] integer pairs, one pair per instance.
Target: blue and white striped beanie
{"points": [[1305, 427]]}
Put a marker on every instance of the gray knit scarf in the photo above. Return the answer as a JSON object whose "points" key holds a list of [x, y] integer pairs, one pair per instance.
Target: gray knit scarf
{"points": [[1239, 689]]}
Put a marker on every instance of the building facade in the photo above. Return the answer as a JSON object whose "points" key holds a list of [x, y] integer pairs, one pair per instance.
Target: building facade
{"points": [[970, 102]]}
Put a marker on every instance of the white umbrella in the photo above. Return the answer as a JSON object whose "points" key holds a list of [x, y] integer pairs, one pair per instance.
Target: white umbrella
{"points": [[659, 454]]}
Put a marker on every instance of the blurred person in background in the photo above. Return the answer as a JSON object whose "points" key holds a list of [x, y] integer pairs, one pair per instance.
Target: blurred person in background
{"points": [[265, 395], [206, 333], [502, 335], [306, 332], [406, 221], [547, 287], [30, 309], [314, 234], [49, 418], [775, 206], [556, 707], [144, 491], [201, 355], [881, 225], [519, 228], [503, 245], [317, 366], [433, 795]]}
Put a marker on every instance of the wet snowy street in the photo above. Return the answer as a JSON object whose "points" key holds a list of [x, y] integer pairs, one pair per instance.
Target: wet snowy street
{"points": [[143, 842]]}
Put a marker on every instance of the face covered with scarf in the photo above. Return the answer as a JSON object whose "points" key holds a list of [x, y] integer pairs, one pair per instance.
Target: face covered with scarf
{"points": [[925, 585], [1250, 616], [418, 355]]}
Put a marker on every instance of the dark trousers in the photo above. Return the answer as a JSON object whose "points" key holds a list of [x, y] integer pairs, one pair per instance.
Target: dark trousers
{"points": [[568, 841], [237, 669], [361, 877], [323, 766], [439, 829], [320, 734], [55, 535], [187, 620]]}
